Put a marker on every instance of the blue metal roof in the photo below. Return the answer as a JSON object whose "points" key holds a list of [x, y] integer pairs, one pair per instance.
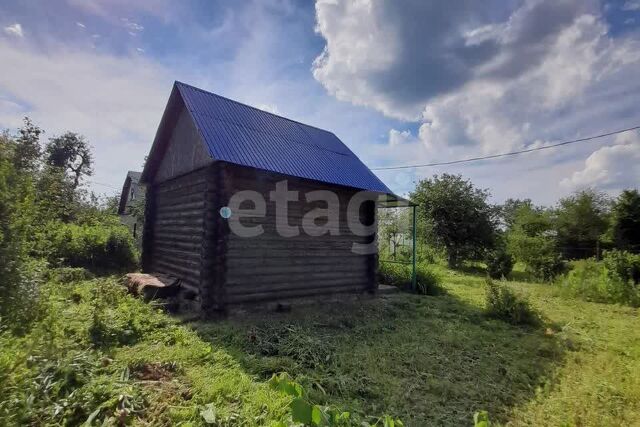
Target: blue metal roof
{"points": [[247, 136]]}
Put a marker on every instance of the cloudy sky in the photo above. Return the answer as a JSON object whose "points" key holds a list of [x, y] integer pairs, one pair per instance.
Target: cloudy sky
{"points": [[400, 82]]}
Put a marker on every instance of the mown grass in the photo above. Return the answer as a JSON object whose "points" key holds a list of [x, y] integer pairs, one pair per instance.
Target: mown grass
{"points": [[98, 354], [435, 360]]}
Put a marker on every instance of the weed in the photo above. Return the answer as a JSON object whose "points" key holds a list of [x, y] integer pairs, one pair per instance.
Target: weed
{"points": [[427, 281], [503, 303], [614, 280]]}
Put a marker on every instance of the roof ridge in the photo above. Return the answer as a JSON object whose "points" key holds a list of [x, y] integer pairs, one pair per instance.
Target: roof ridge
{"points": [[252, 107]]}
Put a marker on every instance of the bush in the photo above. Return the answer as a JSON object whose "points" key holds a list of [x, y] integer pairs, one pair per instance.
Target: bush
{"points": [[547, 267], [19, 303], [69, 274], [499, 263], [614, 280], [98, 248], [504, 304], [399, 275]]}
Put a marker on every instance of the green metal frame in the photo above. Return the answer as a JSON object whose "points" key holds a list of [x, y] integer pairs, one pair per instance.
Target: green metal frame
{"points": [[413, 257]]}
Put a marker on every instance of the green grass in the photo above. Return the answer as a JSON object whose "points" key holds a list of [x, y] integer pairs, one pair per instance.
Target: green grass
{"points": [[428, 360], [99, 355], [437, 360]]}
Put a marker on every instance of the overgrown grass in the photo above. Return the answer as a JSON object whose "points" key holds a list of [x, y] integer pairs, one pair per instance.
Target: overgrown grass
{"points": [[99, 356], [615, 279], [503, 303], [397, 274]]}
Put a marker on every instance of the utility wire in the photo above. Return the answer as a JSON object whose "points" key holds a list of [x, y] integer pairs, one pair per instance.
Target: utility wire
{"points": [[512, 153], [103, 184]]}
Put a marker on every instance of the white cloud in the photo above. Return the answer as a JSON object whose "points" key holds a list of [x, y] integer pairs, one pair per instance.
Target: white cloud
{"points": [[613, 167], [550, 71], [132, 26], [397, 137], [631, 5], [85, 92], [14, 30], [81, 25]]}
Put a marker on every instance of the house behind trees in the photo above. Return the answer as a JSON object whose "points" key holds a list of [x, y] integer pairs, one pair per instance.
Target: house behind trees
{"points": [[132, 195]]}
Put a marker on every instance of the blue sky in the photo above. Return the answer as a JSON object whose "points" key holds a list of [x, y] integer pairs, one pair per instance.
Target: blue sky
{"points": [[399, 82]]}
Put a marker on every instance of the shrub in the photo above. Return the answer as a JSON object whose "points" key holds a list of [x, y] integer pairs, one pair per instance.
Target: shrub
{"points": [[614, 280], [504, 304], [99, 248], [499, 263], [399, 275], [624, 265], [19, 303], [546, 267], [69, 274], [394, 274]]}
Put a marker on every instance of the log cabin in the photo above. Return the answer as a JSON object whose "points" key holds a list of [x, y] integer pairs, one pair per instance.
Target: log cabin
{"points": [[226, 252]]}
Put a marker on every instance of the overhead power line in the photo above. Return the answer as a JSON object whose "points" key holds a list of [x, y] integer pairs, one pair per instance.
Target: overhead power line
{"points": [[103, 184], [511, 153]]}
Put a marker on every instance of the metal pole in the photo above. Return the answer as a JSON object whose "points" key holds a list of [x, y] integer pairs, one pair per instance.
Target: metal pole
{"points": [[413, 259]]}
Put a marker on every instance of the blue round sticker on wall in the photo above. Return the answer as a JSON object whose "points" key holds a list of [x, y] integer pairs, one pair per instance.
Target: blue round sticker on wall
{"points": [[225, 212]]}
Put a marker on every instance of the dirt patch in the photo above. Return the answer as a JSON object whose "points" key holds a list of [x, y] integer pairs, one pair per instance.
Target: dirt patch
{"points": [[154, 372]]}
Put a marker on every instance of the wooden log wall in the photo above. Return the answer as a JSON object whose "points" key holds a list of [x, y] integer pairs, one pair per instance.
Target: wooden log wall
{"points": [[214, 253], [270, 267], [174, 228]]}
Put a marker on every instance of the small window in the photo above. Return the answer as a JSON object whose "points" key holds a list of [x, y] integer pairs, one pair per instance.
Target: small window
{"points": [[135, 230], [133, 194]]}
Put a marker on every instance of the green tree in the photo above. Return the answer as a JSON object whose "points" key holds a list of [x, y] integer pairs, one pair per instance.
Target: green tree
{"points": [[16, 237], [457, 216], [27, 152], [582, 219], [72, 154], [626, 221], [532, 241], [508, 210]]}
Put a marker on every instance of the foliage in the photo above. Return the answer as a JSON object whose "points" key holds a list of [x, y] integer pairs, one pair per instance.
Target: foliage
{"points": [[309, 414], [582, 219], [71, 154], [394, 274], [509, 210], [502, 303], [19, 276], [481, 419], [457, 216], [499, 263], [614, 280], [98, 248], [624, 265], [26, 157], [68, 274], [626, 221], [531, 240]]}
